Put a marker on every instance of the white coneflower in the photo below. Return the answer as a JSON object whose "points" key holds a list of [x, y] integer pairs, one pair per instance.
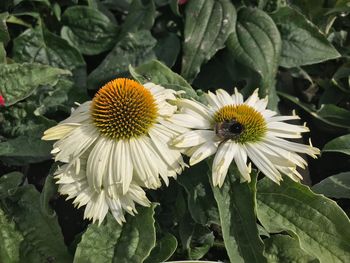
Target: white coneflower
{"points": [[237, 130], [116, 144]]}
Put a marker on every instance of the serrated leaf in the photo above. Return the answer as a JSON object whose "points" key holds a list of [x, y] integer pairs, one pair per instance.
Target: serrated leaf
{"points": [[110, 242], [201, 202], [88, 29], [10, 240], [42, 237], [134, 49], [18, 81], [163, 250], [208, 24], [156, 72], [40, 45], [327, 113], [256, 43], [283, 248], [302, 42], [335, 186], [322, 228], [236, 205], [339, 144]]}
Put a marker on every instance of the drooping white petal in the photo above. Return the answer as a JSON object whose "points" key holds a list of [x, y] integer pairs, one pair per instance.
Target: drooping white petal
{"points": [[241, 162], [205, 150]]}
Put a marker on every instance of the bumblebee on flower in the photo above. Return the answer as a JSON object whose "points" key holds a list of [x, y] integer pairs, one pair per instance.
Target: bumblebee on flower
{"points": [[234, 129]]}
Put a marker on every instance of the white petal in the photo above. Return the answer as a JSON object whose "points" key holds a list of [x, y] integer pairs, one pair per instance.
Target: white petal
{"points": [[252, 100], [241, 162], [59, 131], [190, 121], [213, 100], [223, 97], [116, 210], [97, 208], [237, 97], [281, 127], [193, 138], [205, 150], [194, 106], [222, 161]]}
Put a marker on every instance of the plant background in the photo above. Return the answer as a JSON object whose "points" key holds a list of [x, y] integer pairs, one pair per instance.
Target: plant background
{"points": [[54, 53]]}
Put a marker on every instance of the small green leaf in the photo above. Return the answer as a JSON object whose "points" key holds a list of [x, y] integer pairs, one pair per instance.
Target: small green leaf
{"points": [[110, 242], [18, 81], [40, 45], [302, 42], [208, 24], [88, 29], [322, 228], [201, 202], [327, 113], [163, 250], [10, 240], [156, 72], [42, 237], [9, 183], [238, 220], [2, 54], [283, 248], [256, 43], [340, 144], [335, 186], [134, 49]]}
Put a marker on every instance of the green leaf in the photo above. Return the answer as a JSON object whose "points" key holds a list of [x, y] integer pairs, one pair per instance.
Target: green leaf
{"points": [[88, 29], [302, 42], [283, 248], [110, 242], [141, 17], [156, 72], [40, 45], [24, 150], [335, 186], [208, 24], [42, 237], [4, 33], [340, 144], [168, 48], [49, 190], [163, 250], [236, 205], [134, 49], [18, 81], [10, 240], [201, 202], [256, 43], [327, 113], [9, 183], [2, 54], [322, 228]]}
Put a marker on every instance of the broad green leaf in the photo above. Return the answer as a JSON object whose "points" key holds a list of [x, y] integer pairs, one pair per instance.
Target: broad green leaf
{"points": [[302, 42], [163, 250], [156, 72], [42, 237], [168, 48], [340, 144], [24, 150], [134, 49], [335, 186], [130, 243], [88, 29], [256, 43], [2, 54], [208, 24], [141, 16], [40, 45], [283, 248], [18, 81], [238, 220], [322, 228], [328, 113], [4, 33], [10, 240], [201, 202], [9, 182]]}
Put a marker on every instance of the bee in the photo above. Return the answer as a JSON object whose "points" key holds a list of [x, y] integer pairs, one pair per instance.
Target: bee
{"points": [[228, 129]]}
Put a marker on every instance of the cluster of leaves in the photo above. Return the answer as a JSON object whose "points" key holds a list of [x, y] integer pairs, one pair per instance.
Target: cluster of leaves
{"points": [[53, 53]]}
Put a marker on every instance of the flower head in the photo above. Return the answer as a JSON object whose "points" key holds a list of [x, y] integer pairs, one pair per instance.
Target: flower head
{"points": [[114, 146], [234, 129]]}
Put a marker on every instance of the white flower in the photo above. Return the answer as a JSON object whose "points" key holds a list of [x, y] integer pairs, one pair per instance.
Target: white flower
{"points": [[116, 144], [234, 129]]}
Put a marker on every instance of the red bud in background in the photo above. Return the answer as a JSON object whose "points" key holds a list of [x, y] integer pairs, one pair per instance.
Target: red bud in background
{"points": [[182, 2], [2, 101]]}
